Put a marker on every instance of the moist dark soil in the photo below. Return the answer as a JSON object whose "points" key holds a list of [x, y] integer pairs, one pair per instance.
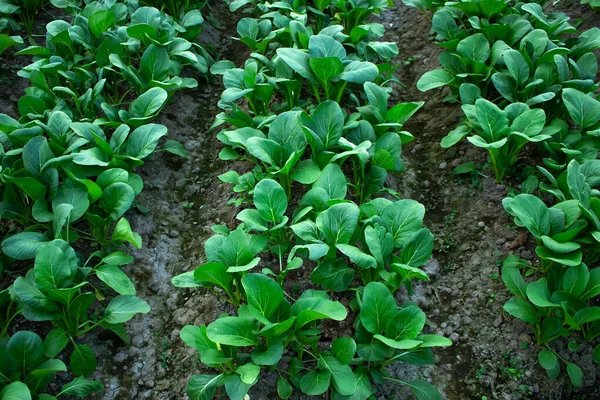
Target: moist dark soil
{"points": [[493, 355]]}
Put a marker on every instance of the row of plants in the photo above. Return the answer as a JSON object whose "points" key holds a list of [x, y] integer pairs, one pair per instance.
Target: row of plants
{"points": [[308, 115], [527, 78], [67, 179]]}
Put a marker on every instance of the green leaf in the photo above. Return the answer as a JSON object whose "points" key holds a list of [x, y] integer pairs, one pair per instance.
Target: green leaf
{"points": [[55, 342], [324, 126], [115, 279], [233, 331], [83, 361], [532, 213], [24, 245], [203, 387], [455, 136], [315, 382], [27, 350], [424, 390], [512, 278], [123, 232], [116, 199], [333, 275], [270, 200], [584, 109], [357, 256], [338, 223], [475, 47], [149, 103], [36, 153], [344, 349], [492, 120], [100, 22], [123, 308], [539, 294], [517, 66], [575, 374], [270, 355], [297, 60], [284, 389], [418, 248], [73, 193], [344, 381], [312, 308], [402, 218], [15, 391], [143, 140], [215, 273], [306, 172], [81, 387], [359, 72], [378, 307], [434, 79], [248, 373], [174, 147], [547, 359], [333, 181], [52, 269], [263, 294]]}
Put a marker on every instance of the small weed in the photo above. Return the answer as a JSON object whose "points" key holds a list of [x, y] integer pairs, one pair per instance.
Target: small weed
{"points": [[513, 368], [449, 241]]}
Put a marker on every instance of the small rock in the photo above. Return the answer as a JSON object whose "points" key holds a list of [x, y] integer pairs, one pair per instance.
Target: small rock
{"points": [[498, 321], [456, 162], [435, 313], [481, 224], [454, 337], [174, 234], [443, 165]]}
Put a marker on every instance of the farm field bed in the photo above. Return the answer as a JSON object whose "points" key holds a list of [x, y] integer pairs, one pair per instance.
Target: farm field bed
{"points": [[493, 354]]}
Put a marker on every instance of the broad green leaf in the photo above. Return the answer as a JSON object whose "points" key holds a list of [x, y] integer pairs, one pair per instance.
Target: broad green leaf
{"points": [[203, 387], [338, 223], [475, 47], [333, 181], [263, 294], [584, 109], [333, 275], [143, 140], [434, 79], [55, 342], [123, 308], [27, 350], [539, 294], [547, 359], [15, 391], [115, 279], [83, 361], [344, 349], [532, 213], [315, 383], [344, 381], [417, 250], [270, 200], [233, 331], [81, 387], [378, 307]]}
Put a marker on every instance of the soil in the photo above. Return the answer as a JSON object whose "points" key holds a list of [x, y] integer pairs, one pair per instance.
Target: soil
{"points": [[494, 355]]}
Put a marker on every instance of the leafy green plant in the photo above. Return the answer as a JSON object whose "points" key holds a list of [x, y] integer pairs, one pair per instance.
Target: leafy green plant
{"points": [[503, 133], [269, 325], [29, 364], [555, 307]]}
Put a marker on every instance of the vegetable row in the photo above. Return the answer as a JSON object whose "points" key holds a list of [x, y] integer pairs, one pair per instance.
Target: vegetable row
{"points": [[67, 179], [527, 78], [308, 116]]}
